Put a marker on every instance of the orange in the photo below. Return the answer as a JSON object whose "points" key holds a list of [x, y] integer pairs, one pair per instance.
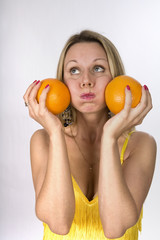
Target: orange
{"points": [[58, 97], [115, 93]]}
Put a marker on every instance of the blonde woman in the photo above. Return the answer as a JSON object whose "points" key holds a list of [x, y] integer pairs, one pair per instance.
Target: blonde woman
{"points": [[91, 170]]}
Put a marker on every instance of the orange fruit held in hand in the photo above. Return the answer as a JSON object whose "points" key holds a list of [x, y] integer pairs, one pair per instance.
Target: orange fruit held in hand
{"points": [[115, 93], [58, 97]]}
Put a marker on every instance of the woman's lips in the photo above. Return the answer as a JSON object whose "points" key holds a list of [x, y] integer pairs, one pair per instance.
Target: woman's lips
{"points": [[87, 96]]}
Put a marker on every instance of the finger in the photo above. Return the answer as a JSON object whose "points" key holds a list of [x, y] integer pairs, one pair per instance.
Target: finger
{"points": [[43, 96], [31, 112], [145, 105], [128, 99], [146, 101], [149, 97], [33, 93], [25, 96]]}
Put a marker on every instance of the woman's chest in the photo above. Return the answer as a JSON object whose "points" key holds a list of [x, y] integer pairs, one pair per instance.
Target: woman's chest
{"points": [[84, 164]]}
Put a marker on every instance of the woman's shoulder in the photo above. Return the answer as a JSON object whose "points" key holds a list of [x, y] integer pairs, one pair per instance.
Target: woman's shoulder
{"points": [[140, 143], [40, 136], [39, 145], [144, 138]]}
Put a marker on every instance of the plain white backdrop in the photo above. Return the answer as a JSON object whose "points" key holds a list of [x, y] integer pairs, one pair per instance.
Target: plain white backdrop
{"points": [[33, 33]]}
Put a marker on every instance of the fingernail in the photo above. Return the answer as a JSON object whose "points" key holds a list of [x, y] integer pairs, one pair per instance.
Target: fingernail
{"points": [[37, 82], [128, 87], [145, 87], [47, 86]]}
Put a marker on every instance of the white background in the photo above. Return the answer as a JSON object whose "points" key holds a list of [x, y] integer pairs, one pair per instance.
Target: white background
{"points": [[33, 33]]}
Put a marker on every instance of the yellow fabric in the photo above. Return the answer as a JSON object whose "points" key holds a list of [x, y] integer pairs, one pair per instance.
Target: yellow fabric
{"points": [[86, 223], [124, 146]]}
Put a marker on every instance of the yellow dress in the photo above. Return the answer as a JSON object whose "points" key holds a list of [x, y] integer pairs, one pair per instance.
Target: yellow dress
{"points": [[86, 223]]}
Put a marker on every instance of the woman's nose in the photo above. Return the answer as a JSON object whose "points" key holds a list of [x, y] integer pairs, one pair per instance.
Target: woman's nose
{"points": [[87, 81], [86, 84]]}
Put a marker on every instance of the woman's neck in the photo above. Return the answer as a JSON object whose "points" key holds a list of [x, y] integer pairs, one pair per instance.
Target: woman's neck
{"points": [[90, 126]]}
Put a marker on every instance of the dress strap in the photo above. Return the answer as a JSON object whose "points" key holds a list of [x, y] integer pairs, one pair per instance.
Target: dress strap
{"points": [[125, 145]]}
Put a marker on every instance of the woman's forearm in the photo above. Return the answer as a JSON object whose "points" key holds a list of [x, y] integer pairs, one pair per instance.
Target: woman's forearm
{"points": [[117, 207], [56, 202]]}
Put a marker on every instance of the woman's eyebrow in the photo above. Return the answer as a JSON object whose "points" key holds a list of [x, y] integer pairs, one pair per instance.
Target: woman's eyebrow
{"points": [[96, 59], [70, 61]]}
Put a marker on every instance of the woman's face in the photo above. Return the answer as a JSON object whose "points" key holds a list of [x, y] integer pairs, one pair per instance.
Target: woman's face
{"points": [[87, 73]]}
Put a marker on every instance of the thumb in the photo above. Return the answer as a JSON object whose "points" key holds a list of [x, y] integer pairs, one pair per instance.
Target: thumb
{"points": [[128, 98], [43, 96]]}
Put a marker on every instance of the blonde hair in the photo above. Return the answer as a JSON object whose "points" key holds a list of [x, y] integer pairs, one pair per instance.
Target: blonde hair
{"points": [[114, 59]]}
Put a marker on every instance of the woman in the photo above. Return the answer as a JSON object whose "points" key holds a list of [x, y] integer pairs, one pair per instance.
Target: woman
{"points": [[91, 178]]}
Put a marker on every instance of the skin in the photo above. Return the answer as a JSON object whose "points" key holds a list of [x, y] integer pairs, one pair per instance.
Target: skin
{"points": [[121, 189]]}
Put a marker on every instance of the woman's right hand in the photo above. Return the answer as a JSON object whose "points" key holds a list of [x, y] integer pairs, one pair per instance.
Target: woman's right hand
{"points": [[39, 111]]}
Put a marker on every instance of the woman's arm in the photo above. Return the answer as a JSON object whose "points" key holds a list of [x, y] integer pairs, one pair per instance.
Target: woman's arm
{"points": [[55, 202], [122, 190]]}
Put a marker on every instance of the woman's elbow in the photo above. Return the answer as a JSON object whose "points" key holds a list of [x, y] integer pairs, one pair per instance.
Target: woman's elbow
{"points": [[60, 229], [118, 230], [59, 226], [114, 234]]}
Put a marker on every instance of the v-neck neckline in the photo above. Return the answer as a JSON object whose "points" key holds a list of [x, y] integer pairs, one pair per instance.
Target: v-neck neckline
{"points": [[86, 200], [95, 199]]}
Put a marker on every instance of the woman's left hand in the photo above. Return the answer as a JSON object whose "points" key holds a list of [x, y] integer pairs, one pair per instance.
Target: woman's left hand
{"points": [[128, 117]]}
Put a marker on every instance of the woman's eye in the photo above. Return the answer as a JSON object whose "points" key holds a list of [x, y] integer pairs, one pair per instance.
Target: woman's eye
{"points": [[74, 71], [98, 69]]}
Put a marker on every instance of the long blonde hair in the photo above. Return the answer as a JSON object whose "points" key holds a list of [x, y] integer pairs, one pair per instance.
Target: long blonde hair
{"points": [[114, 59]]}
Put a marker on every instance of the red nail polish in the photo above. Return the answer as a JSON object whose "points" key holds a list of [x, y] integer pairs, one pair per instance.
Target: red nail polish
{"points": [[128, 87], [145, 87], [37, 82], [47, 86]]}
